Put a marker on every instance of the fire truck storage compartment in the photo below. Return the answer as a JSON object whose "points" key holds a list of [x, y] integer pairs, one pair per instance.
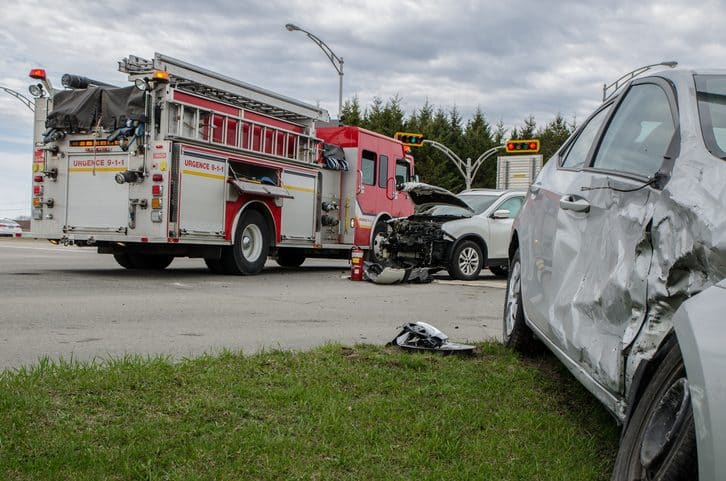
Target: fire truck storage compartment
{"points": [[202, 193], [259, 174], [255, 180], [95, 200], [299, 213]]}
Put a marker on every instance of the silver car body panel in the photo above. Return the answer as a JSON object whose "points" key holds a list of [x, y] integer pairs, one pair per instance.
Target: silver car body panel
{"points": [[699, 329], [602, 286]]}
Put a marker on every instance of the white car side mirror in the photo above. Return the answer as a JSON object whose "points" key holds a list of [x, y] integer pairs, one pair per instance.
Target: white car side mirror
{"points": [[501, 214]]}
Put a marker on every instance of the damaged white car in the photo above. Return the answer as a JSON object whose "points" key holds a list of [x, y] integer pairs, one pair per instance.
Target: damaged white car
{"points": [[460, 233], [617, 264]]}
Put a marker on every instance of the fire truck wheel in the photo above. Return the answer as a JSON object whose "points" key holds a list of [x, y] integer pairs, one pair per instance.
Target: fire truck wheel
{"points": [[215, 266], [251, 245], [124, 261], [376, 253], [466, 261], [290, 257], [151, 262]]}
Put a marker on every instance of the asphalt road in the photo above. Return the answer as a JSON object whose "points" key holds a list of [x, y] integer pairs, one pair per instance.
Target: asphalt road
{"points": [[70, 302]]}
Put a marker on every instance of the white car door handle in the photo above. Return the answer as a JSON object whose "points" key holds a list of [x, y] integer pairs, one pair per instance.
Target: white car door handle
{"points": [[570, 202]]}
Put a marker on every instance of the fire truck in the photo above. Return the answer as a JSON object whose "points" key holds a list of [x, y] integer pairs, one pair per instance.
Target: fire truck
{"points": [[185, 162]]}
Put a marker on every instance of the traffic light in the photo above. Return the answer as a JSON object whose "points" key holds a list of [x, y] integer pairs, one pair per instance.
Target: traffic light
{"points": [[530, 146], [407, 138]]}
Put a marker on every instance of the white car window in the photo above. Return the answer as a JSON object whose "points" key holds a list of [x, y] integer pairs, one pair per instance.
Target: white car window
{"points": [[513, 204]]}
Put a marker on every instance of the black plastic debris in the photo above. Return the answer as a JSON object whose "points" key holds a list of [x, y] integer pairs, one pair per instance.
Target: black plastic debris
{"points": [[379, 274], [420, 336]]}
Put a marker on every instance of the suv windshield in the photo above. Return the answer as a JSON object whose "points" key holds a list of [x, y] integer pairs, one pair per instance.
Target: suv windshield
{"points": [[478, 203], [711, 95]]}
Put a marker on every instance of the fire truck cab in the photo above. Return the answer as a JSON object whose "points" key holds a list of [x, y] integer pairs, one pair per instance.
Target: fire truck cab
{"points": [[188, 162]]}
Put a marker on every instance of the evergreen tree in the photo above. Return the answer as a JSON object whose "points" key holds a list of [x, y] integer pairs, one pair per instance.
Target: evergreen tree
{"points": [[529, 128], [351, 113], [553, 135], [500, 133], [387, 118], [466, 140]]}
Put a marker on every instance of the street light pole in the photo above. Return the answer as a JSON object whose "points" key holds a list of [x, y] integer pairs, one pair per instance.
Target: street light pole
{"points": [[28, 103], [467, 169], [334, 59], [474, 168]]}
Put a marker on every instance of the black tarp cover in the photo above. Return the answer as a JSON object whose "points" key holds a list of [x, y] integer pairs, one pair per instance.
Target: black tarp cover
{"points": [[82, 109]]}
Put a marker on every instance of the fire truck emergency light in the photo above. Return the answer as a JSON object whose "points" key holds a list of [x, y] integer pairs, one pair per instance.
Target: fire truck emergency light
{"points": [[410, 139], [160, 76], [530, 146], [37, 73]]}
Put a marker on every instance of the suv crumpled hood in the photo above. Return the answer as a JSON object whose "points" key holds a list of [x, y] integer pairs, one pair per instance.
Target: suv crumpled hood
{"points": [[425, 196]]}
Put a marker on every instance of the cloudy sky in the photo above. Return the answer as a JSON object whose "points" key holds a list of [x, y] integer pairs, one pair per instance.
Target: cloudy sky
{"points": [[510, 59]]}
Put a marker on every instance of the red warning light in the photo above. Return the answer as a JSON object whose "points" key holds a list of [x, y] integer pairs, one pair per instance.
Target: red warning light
{"points": [[37, 73]]}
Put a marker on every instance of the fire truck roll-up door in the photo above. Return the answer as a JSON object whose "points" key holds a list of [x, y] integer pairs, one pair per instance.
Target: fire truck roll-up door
{"points": [[203, 180], [298, 213], [96, 202]]}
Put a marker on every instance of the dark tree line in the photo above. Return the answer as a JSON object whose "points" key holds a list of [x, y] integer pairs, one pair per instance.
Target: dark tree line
{"points": [[467, 139]]}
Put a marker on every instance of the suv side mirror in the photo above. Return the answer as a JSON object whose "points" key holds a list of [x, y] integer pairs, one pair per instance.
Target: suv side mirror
{"points": [[501, 214]]}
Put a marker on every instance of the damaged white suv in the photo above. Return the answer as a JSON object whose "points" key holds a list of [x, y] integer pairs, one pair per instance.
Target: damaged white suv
{"points": [[460, 233], [617, 264]]}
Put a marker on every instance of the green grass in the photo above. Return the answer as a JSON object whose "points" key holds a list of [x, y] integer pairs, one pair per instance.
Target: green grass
{"points": [[335, 413]]}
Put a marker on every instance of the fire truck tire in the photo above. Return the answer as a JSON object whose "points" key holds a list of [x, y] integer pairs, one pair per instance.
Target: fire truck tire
{"points": [[151, 262], [375, 254], [124, 261], [290, 257], [251, 246], [215, 266]]}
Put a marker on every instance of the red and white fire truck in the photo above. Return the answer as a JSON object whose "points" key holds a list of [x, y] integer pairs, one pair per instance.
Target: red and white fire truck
{"points": [[188, 162]]}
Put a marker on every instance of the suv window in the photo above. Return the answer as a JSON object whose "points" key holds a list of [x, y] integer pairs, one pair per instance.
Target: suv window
{"points": [[576, 154], [639, 133], [513, 204]]}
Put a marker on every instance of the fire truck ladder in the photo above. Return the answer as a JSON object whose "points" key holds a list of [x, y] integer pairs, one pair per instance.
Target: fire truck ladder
{"points": [[194, 123], [211, 84]]}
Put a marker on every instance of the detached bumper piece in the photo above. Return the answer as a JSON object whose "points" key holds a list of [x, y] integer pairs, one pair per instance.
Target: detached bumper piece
{"points": [[379, 274], [420, 336]]}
